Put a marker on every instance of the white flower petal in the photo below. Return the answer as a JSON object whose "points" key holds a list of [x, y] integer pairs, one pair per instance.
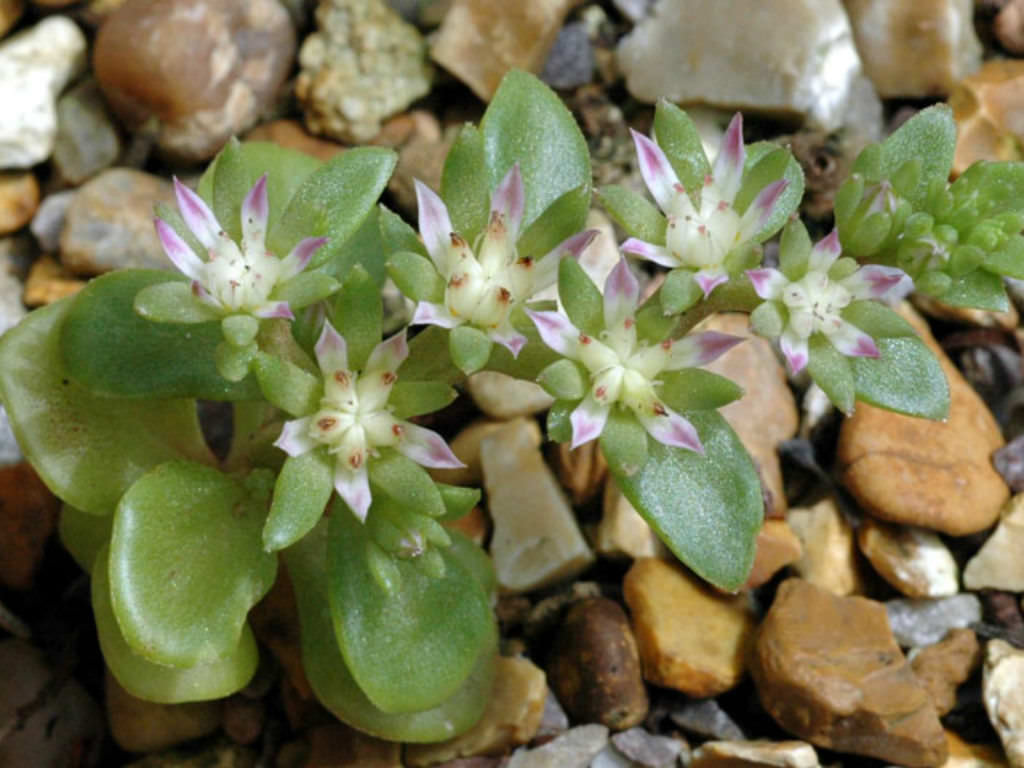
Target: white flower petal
{"points": [[294, 438], [709, 279], [700, 349], [794, 349], [426, 447], [279, 309], [509, 199], [427, 313], [178, 251], [197, 214], [852, 341], [756, 216], [557, 332], [545, 269], [331, 350], [353, 485], [887, 284], [508, 337], [435, 225], [299, 257], [389, 354], [588, 420], [621, 294], [728, 168], [768, 283], [670, 428], [824, 253], [655, 253], [255, 212], [658, 173]]}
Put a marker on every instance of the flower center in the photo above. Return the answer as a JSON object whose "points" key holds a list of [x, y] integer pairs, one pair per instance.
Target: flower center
{"points": [[240, 278], [353, 419], [702, 238], [814, 303], [482, 290]]}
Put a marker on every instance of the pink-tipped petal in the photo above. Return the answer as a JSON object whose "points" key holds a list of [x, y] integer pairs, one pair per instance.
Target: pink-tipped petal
{"points": [[178, 251], [728, 169], [275, 309], [331, 350], [509, 338], [389, 354], [435, 225], [353, 485], [299, 257], [708, 280], [204, 295], [700, 349], [825, 251], [545, 269], [255, 212], [656, 253], [557, 332], [658, 174], [887, 284], [670, 428], [588, 420], [426, 447], [768, 283], [197, 214], [427, 313], [294, 438], [853, 342], [621, 294], [509, 199], [756, 216], [794, 349]]}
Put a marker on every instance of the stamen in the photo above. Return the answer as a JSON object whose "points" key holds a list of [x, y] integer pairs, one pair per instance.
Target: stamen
{"points": [[584, 339], [356, 460], [342, 378], [327, 423], [388, 378]]}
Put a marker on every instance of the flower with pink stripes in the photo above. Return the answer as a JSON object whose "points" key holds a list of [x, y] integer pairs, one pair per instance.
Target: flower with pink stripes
{"points": [[704, 226], [354, 421], [234, 278], [813, 302], [623, 371]]}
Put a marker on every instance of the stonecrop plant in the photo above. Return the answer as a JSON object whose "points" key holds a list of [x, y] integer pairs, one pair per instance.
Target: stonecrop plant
{"points": [[276, 310]]}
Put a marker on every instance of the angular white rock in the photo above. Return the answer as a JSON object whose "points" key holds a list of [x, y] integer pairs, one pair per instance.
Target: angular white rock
{"points": [[622, 532], [805, 66], [926, 622], [573, 749], [998, 564], [35, 65], [536, 540], [783, 754], [830, 557], [504, 397], [1002, 690]]}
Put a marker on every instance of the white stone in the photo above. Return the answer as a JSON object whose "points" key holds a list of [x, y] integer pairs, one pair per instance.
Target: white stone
{"points": [[504, 397], [830, 556], [35, 65], [926, 622], [573, 749], [998, 564], [536, 540], [1002, 689], [914, 560], [782, 754], [688, 53], [622, 532]]}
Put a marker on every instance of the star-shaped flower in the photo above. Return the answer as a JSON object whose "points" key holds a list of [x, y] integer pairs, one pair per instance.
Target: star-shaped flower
{"points": [[624, 370], [700, 237], [484, 283], [354, 420], [234, 278]]}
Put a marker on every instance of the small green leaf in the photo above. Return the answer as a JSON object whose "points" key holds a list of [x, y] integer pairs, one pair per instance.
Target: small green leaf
{"points": [[679, 292], [979, 289], [416, 277], [187, 563], [533, 357], [637, 216], [707, 509], [768, 319], [1008, 259], [581, 298], [406, 483], [356, 312], [458, 500], [465, 187], [831, 371], [83, 534], [564, 380], [563, 218], [429, 358], [694, 389], [239, 330], [766, 163], [233, 362], [928, 137], [301, 493], [794, 250], [414, 398], [365, 247], [293, 390], [396, 234], [624, 442], [906, 378], [558, 425], [680, 141], [173, 302], [469, 347], [876, 319], [305, 288]]}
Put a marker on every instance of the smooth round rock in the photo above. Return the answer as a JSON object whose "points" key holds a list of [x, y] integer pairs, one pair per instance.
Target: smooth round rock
{"points": [[19, 198]]}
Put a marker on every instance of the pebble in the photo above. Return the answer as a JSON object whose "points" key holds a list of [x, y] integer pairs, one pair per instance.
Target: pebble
{"points": [[667, 56], [48, 282], [979, 318], [998, 564], [582, 471], [594, 667], [925, 622], [915, 48], [691, 638], [554, 720], [87, 139], [193, 72], [503, 397], [48, 220], [28, 516], [829, 553], [622, 532], [570, 62], [35, 65], [984, 106], [109, 223], [913, 560], [777, 547], [647, 749], [932, 474], [466, 447], [754, 754], [337, 746], [536, 540], [244, 718], [828, 670], [1002, 689], [512, 717], [138, 725], [965, 755], [942, 667], [480, 40], [421, 156], [10, 12], [706, 718], [363, 65], [1009, 462], [19, 199], [1008, 27], [573, 749], [291, 134]]}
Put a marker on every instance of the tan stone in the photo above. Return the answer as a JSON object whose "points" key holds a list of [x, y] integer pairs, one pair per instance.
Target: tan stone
{"points": [[932, 474], [828, 669], [965, 755], [622, 532], [982, 318], [829, 553], [145, 726], [754, 754], [292, 135], [1008, 27], [915, 48], [691, 638], [10, 12], [505, 397], [48, 282], [767, 413], [945, 665], [338, 746], [582, 470], [19, 198], [987, 110], [536, 540], [1002, 690], [420, 156], [512, 717], [777, 547], [913, 560], [480, 40], [998, 564], [466, 447]]}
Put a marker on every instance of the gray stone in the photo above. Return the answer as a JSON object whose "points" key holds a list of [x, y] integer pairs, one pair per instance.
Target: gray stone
{"points": [[705, 718], [924, 622], [804, 67], [87, 141], [646, 749], [573, 749], [570, 62], [634, 10], [35, 65], [49, 219], [11, 289]]}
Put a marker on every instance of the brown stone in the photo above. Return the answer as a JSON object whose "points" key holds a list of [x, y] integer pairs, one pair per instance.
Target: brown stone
{"points": [[243, 718], [421, 156], [48, 282], [582, 471], [913, 560], [777, 547], [275, 622], [987, 110], [944, 666], [594, 667], [691, 638], [146, 726], [475, 525], [28, 515], [10, 12], [982, 318], [290, 134], [965, 755], [829, 671], [202, 69], [338, 746], [19, 198], [933, 474]]}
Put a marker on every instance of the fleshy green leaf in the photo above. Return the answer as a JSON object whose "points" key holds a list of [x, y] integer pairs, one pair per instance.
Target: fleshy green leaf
{"points": [[680, 141], [465, 187], [765, 164], [694, 389], [1008, 260], [679, 292], [187, 563], [469, 347], [84, 535], [831, 371], [928, 137], [414, 398], [414, 648], [707, 509], [158, 682], [624, 443], [87, 449], [305, 288], [527, 123], [173, 302], [980, 289], [564, 380], [794, 250], [365, 247], [429, 358], [458, 500], [396, 234], [356, 313], [301, 493], [406, 483], [581, 298], [558, 425], [113, 351], [637, 216], [876, 319], [564, 217], [416, 276], [906, 378]]}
